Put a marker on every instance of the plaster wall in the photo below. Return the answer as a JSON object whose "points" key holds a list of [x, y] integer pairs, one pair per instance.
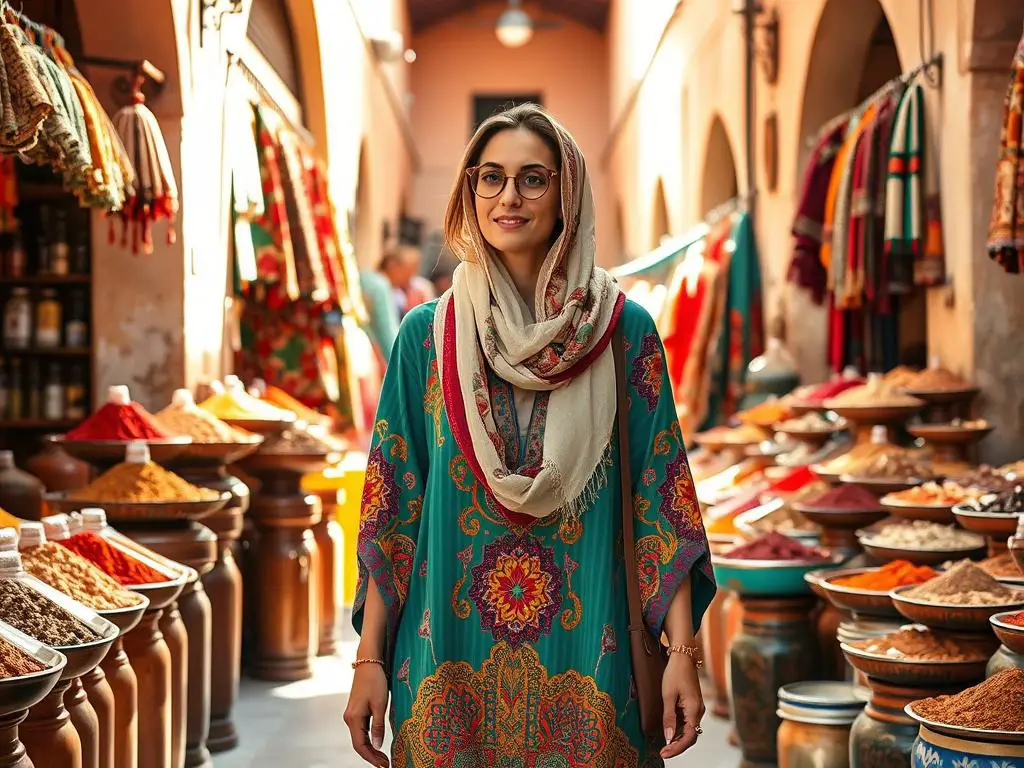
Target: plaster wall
{"points": [[460, 57]]}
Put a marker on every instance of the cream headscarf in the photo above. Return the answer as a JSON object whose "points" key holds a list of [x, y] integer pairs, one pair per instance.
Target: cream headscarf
{"points": [[482, 320]]}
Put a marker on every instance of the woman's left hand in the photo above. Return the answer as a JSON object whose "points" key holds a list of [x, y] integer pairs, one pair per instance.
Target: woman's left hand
{"points": [[684, 704]]}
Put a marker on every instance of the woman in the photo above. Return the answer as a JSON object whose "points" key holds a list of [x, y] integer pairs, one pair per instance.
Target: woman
{"points": [[492, 598]]}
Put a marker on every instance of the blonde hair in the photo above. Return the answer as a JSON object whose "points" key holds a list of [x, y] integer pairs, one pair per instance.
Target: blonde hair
{"points": [[531, 117]]}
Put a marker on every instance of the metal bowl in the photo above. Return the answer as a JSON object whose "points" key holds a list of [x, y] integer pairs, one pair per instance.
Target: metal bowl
{"points": [[1010, 635], [84, 657], [25, 691], [961, 618], [149, 510], [163, 593], [985, 523], [864, 602], [126, 619], [109, 452], [918, 556], [932, 513], [916, 673]]}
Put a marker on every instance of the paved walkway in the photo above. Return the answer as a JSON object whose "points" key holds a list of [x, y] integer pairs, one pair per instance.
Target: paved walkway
{"points": [[299, 725]]}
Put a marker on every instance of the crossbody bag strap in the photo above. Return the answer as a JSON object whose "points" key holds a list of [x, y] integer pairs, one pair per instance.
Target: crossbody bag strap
{"points": [[636, 619]]}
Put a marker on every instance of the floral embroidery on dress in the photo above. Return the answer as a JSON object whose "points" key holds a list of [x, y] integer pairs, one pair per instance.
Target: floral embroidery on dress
{"points": [[571, 616], [433, 402], [608, 645], [517, 589], [510, 712], [424, 632], [403, 675], [461, 607], [648, 371], [649, 477]]}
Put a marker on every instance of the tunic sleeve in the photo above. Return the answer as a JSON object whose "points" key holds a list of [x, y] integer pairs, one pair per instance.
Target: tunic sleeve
{"points": [[670, 538], [396, 475]]}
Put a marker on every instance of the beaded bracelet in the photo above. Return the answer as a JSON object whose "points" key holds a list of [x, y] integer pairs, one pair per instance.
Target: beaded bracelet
{"points": [[359, 662], [692, 651]]}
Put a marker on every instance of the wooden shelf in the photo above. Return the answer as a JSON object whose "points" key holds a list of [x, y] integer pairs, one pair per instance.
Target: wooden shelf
{"points": [[57, 426], [48, 352], [47, 280]]}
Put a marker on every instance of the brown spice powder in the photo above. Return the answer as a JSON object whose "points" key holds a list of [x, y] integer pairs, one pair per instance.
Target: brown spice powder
{"points": [[965, 584], [76, 577], [916, 643], [14, 662], [995, 705], [29, 612]]}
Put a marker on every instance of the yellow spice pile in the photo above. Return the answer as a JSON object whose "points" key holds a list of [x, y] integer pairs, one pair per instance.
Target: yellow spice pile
{"points": [[241, 405], [133, 482]]}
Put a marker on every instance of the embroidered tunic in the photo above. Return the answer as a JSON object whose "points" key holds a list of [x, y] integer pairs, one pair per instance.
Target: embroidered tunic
{"points": [[507, 645]]}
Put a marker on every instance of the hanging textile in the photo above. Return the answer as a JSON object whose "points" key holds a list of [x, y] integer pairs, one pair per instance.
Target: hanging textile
{"points": [[904, 202], [1006, 228], [243, 160]]}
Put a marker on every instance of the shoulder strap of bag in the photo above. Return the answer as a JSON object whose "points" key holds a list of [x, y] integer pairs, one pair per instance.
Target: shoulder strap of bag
{"points": [[636, 620]]}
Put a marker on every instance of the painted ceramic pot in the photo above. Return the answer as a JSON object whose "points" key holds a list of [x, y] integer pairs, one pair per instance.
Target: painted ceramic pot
{"points": [[974, 749]]}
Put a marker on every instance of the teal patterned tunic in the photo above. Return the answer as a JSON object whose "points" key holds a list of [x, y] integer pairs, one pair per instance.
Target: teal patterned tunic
{"points": [[507, 645]]}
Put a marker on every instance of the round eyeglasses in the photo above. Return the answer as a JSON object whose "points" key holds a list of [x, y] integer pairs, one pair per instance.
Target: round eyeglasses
{"points": [[489, 181]]}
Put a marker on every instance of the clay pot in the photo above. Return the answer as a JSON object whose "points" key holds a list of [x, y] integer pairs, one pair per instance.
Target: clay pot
{"points": [[101, 697], [124, 686], [57, 470], [86, 723], [151, 661], [21, 494], [328, 537], [49, 737]]}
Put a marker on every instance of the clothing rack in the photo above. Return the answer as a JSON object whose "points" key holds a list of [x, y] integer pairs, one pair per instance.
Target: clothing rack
{"points": [[36, 31], [675, 247], [266, 99], [934, 64]]}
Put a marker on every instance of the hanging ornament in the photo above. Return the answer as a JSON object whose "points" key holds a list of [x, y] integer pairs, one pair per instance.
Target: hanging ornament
{"points": [[156, 193]]}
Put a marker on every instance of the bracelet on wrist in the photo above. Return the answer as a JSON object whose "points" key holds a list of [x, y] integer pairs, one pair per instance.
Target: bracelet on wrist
{"points": [[359, 662], [692, 651]]}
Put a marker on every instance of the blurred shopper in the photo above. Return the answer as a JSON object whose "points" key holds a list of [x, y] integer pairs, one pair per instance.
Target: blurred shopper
{"points": [[401, 266], [492, 594]]}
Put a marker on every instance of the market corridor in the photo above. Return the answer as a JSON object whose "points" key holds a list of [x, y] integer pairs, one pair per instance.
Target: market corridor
{"points": [[299, 725]]}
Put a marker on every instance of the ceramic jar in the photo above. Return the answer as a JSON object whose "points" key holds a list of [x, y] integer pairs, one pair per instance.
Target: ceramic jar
{"points": [[816, 721]]}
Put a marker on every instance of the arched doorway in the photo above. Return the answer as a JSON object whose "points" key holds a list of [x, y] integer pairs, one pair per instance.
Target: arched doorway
{"points": [[719, 177], [853, 55], [660, 226]]}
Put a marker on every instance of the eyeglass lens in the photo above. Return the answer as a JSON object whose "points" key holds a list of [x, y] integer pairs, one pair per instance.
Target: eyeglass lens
{"points": [[530, 183]]}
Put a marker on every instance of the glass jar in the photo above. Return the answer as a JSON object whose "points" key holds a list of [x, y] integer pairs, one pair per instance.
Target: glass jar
{"points": [[18, 320], [48, 320]]}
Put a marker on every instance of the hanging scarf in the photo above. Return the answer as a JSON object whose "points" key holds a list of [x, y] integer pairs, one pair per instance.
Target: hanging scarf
{"points": [[903, 207], [482, 321], [1006, 228], [24, 103], [805, 268], [874, 228], [839, 263]]}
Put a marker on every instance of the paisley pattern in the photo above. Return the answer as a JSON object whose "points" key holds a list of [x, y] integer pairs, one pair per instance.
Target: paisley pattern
{"points": [[509, 650], [511, 712]]}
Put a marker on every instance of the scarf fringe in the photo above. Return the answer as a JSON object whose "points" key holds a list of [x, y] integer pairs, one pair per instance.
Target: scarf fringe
{"points": [[572, 509]]}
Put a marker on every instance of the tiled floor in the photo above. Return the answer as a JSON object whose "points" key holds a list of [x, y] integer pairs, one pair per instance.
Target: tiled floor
{"points": [[299, 725]]}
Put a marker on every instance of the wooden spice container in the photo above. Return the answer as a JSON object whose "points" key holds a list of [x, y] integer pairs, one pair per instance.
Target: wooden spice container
{"points": [[151, 662], [285, 571], [118, 742], [327, 533], [194, 545], [18, 694]]}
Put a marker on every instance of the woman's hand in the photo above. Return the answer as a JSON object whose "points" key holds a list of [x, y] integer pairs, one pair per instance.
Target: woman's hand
{"points": [[684, 704], [369, 697]]}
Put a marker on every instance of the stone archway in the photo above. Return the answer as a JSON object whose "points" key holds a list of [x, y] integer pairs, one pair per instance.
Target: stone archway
{"points": [[718, 183], [660, 221]]}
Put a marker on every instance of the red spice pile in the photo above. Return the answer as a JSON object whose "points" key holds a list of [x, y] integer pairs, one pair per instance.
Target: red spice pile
{"points": [[832, 389], [113, 561], [118, 422], [1016, 619], [775, 546], [845, 496]]}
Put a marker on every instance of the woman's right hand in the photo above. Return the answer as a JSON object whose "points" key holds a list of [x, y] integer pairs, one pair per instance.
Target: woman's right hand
{"points": [[368, 698]]}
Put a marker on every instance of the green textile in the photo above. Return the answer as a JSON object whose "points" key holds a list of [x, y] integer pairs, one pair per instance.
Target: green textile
{"points": [[508, 645], [380, 304]]}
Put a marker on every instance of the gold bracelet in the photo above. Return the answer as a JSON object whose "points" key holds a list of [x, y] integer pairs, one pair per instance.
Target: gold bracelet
{"points": [[692, 651], [359, 662]]}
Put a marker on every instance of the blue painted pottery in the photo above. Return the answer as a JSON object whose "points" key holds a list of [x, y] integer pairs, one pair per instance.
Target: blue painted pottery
{"points": [[768, 577], [973, 749]]}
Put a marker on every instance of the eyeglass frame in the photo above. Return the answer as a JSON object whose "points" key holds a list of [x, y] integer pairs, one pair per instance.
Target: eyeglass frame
{"points": [[515, 180]]}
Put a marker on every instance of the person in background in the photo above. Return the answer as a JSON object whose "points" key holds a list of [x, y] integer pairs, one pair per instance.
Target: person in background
{"points": [[441, 276], [401, 266], [383, 313]]}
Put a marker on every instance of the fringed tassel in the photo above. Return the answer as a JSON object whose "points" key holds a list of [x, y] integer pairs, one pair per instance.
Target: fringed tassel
{"points": [[572, 509]]}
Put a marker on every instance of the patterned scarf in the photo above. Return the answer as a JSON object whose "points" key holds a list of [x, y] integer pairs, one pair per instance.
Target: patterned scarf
{"points": [[1006, 229], [904, 207], [482, 321]]}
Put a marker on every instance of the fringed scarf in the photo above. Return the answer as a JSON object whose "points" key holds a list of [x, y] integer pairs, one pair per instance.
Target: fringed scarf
{"points": [[482, 321], [1006, 229], [904, 208]]}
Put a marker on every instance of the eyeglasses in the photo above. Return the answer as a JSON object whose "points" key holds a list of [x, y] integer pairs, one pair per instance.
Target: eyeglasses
{"points": [[489, 181]]}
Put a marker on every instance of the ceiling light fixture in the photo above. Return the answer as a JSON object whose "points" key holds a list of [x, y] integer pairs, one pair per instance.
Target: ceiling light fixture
{"points": [[514, 28]]}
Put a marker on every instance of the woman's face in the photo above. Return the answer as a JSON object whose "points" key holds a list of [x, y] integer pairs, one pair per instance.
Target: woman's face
{"points": [[512, 224]]}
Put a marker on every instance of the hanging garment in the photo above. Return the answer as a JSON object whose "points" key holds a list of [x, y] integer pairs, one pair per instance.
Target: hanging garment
{"points": [[507, 645], [24, 103], [839, 263], [904, 207], [1006, 228], [106, 185], [805, 267], [242, 156], [832, 195], [309, 262], [873, 257]]}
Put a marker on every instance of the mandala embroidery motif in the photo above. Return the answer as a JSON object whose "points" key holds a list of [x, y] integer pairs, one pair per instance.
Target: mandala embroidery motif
{"points": [[516, 589], [648, 371], [511, 713]]}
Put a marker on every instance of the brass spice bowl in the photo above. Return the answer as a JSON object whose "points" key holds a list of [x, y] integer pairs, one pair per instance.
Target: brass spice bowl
{"points": [[916, 673], [863, 602], [1010, 635], [964, 618]]}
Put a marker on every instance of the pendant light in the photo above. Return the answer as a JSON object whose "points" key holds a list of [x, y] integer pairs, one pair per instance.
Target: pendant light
{"points": [[514, 28]]}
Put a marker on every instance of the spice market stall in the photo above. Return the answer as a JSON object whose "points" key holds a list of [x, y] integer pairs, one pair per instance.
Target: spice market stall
{"points": [[29, 671]]}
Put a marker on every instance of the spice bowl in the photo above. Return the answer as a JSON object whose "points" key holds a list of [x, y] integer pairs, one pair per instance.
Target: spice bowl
{"points": [[985, 523], [769, 577], [265, 427], [163, 593], [847, 519], [962, 618], [109, 452], [949, 434], [1010, 635], [823, 473], [882, 486], [84, 657], [814, 581], [944, 396], [296, 463], [126, 619], [915, 673], [216, 454], [141, 510], [875, 414], [25, 691], [931, 513], [886, 554], [863, 602]]}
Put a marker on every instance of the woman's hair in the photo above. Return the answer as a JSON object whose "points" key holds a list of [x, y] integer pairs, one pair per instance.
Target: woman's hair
{"points": [[531, 117]]}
